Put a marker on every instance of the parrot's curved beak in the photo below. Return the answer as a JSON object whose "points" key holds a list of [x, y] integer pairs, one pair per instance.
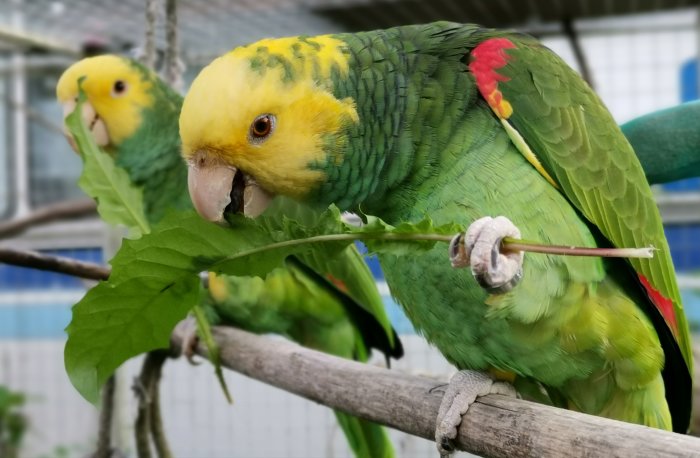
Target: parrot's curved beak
{"points": [[217, 188], [92, 120]]}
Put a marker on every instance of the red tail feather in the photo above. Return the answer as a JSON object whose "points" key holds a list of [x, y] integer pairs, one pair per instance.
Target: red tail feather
{"points": [[664, 304]]}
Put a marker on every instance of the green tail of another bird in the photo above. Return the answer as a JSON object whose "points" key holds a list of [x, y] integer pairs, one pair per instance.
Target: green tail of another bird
{"points": [[666, 142], [293, 303], [366, 439]]}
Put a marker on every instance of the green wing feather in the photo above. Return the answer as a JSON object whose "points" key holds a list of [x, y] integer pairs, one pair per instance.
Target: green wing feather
{"points": [[296, 302], [349, 275], [579, 144]]}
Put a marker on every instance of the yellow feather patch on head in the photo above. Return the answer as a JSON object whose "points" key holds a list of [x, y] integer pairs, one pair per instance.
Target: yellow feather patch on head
{"points": [[307, 56], [121, 113], [287, 78]]}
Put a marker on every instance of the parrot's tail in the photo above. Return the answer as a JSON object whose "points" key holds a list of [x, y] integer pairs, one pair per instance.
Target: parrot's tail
{"points": [[366, 439]]}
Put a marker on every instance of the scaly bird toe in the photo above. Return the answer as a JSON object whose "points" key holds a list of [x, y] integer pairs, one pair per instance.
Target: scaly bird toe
{"points": [[188, 329], [465, 386]]}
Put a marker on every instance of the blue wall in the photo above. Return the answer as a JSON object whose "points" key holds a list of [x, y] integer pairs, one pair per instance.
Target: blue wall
{"points": [[44, 316]]}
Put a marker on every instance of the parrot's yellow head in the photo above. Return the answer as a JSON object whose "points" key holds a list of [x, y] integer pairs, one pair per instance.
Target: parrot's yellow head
{"points": [[117, 91], [263, 120]]}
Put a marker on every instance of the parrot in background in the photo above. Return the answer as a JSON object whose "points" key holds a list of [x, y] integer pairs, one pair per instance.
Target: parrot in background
{"points": [[667, 142], [458, 122], [133, 116], [130, 113]]}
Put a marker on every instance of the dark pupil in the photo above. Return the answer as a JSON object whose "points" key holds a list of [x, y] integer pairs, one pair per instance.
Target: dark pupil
{"points": [[261, 126], [119, 86]]}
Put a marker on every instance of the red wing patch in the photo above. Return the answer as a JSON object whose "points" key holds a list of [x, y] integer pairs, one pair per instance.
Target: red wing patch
{"points": [[664, 304], [486, 58], [338, 283]]}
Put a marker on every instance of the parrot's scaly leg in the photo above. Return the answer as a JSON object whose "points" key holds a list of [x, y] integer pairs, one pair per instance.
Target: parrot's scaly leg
{"points": [[465, 386], [495, 271], [190, 339]]}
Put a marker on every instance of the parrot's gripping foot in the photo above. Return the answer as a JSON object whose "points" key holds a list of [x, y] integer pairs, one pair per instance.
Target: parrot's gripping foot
{"points": [[480, 248], [462, 391], [188, 329]]}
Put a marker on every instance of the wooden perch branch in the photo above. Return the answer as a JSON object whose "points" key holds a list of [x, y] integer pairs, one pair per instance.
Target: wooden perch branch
{"points": [[149, 421], [104, 434], [61, 210], [36, 260], [494, 425]]}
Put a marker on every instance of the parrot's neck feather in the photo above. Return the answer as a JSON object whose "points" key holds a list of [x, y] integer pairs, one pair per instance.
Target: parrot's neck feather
{"points": [[410, 118], [151, 157]]}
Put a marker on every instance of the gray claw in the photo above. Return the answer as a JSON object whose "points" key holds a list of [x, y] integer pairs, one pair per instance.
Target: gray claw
{"points": [[495, 271], [188, 329]]}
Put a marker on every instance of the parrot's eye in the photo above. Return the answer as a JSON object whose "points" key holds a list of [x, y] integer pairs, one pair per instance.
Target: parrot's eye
{"points": [[119, 88], [261, 128]]}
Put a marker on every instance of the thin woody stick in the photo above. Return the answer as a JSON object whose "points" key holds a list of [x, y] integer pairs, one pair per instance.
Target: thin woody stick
{"points": [[510, 244]]}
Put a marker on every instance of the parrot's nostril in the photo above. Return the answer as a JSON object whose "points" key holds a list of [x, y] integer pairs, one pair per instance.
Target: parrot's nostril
{"points": [[200, 158]]}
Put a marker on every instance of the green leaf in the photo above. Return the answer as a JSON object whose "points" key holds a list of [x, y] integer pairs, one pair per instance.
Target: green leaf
{"points": [[204, 329], [119, 201], [113, 323], [155, 279], [153, 284], [9, 400], [284, 229], [404, 239]]}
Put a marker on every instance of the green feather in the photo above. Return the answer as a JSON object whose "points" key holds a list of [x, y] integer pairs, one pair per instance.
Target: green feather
{"points": [[149, 155], [579, 144]]}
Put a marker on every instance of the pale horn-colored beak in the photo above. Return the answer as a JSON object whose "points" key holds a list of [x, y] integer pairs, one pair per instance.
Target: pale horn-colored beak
{"points": [[91, 119], [210, 183], [213, 185], [255, 199]]}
